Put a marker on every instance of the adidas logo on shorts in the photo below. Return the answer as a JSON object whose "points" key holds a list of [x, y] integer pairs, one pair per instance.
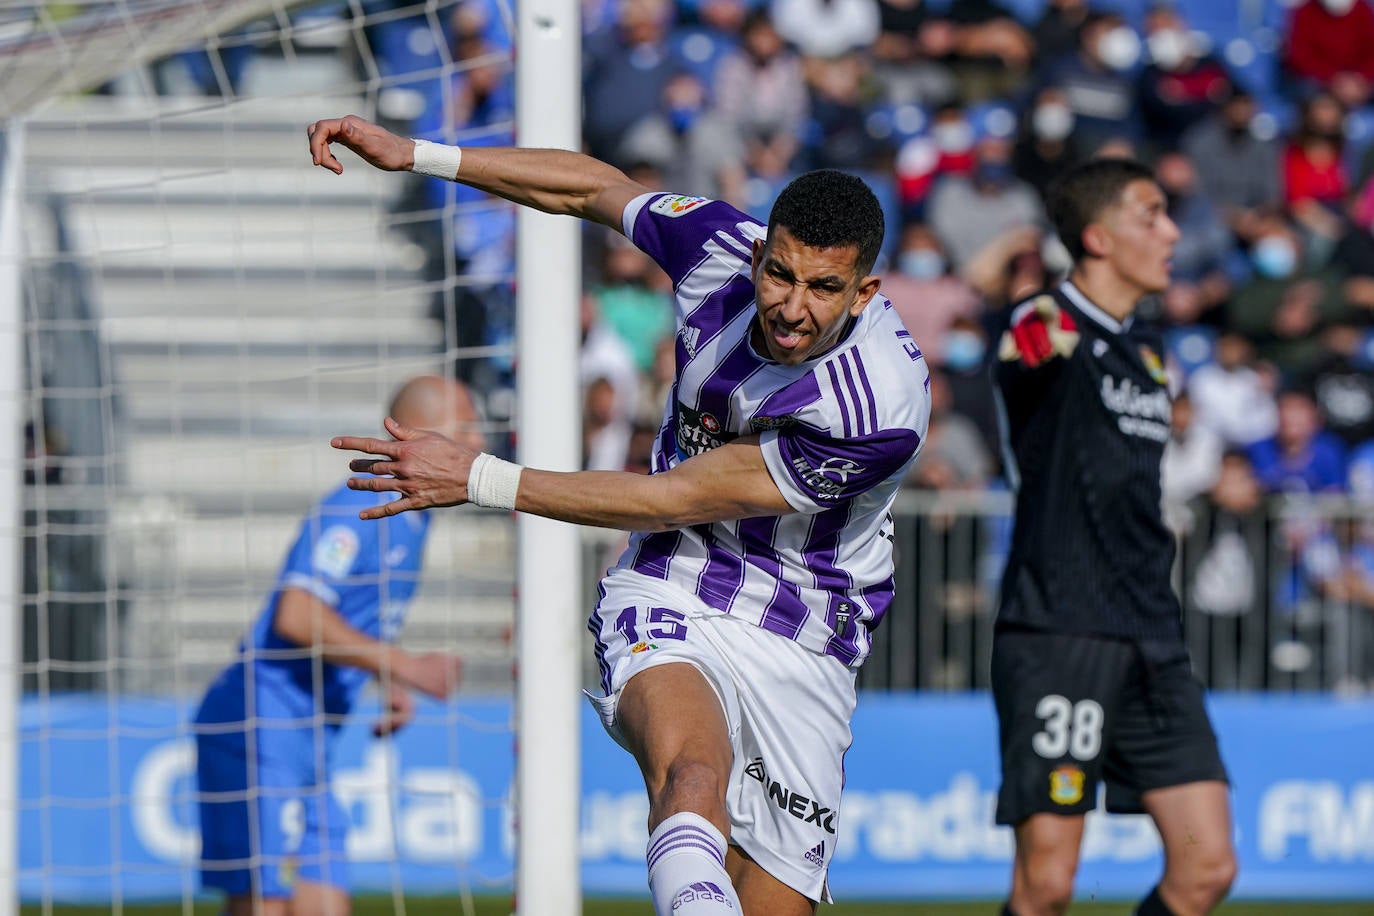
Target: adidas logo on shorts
{"points": [[816, 854]]}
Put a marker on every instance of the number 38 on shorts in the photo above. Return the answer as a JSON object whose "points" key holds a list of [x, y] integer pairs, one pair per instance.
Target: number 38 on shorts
{"points": [[1068, 727]]}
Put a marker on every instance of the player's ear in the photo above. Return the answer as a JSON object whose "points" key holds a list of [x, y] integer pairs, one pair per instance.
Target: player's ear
{"points": [[1097, 241], [756, 256], [868, 288]]}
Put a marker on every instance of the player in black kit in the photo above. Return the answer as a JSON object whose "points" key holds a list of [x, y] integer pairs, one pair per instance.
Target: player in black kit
{"points": [[1089, 671]]}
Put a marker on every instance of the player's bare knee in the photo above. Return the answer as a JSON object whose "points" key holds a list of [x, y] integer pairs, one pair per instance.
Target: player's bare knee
{"points": [[1048, 889], [691, 784], [1205, 883]]}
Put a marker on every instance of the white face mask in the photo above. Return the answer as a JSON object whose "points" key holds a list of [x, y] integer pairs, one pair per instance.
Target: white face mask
{"points": [[1169, 47], [1338, 7], [1119, 49], [1052, 121], [953, 136]]}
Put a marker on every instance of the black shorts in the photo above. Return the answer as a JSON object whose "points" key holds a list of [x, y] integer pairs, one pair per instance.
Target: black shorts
{"points": [[1075, 710]]}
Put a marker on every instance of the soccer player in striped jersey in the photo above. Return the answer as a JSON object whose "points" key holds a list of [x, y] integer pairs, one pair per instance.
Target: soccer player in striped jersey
{"points": [[1090, 674], [730, 633]]}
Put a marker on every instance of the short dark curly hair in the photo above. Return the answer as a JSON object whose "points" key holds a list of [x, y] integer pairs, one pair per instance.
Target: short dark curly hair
{"points": [[1078, 197], [828, 208]]}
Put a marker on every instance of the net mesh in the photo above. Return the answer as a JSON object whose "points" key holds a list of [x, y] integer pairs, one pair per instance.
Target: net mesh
{"points": [[202, 311]]}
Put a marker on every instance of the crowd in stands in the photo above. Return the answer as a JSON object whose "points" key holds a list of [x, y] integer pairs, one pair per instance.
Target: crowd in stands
{"points": [[959, 116], [1257, 118]]}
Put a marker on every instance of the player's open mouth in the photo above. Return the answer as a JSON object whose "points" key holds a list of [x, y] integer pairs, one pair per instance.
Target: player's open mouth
{"points": [[787, 339]]}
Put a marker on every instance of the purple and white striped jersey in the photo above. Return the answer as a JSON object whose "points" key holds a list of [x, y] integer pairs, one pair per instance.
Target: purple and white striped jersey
{"points": [[838, 433]]}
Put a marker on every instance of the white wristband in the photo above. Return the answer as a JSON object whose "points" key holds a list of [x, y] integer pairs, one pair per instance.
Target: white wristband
{"points": [[437, 160], [493, 482]]}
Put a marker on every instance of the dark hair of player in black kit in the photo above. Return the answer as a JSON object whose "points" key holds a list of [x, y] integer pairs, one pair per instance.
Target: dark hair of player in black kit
{"points": [[828, 208], [1078, 196]]}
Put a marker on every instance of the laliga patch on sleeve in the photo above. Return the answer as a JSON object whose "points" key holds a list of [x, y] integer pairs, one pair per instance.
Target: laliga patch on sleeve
{"points": [[676, 206], [335, 551]]}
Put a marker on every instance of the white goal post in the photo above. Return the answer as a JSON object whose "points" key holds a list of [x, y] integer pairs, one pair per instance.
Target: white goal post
{"points": [[100, 40]]}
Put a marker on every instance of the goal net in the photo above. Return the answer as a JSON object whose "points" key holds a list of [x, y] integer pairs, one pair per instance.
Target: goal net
{"points": [[190, 312]]}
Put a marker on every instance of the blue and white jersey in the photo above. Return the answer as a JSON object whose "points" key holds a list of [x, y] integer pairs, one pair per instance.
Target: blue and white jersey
{"points": [[838, 433], [366, 570]]}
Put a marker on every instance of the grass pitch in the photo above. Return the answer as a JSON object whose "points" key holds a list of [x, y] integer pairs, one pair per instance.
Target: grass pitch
{"points": [[492, 906]]}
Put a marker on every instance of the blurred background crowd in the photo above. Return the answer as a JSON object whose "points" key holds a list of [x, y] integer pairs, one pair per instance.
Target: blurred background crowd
{"points": [[1256, 115]]}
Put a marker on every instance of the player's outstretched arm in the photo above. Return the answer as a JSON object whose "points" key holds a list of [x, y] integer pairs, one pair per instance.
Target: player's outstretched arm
{"points": [[428, 470], [555, 181], [304, 620], [1039, 332]]}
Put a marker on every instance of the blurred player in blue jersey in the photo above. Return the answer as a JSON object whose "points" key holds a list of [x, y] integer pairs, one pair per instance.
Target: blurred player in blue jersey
{"points": [[730, 633], [272, 836]]}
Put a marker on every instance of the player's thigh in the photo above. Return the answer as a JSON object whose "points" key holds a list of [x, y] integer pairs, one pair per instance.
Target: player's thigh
{"points": [[1056, 697], [1163, 736], [670, 715], [1048, 841], [760, 893], [1194, 822]]}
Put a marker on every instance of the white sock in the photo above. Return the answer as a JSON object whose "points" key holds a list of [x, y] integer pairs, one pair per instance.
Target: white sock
{"points": [[687, 869]]}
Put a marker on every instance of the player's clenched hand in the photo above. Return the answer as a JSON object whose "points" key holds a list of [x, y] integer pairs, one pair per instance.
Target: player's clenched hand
{"points": [[434, 674], [376, 145], [399, 712], [427, 469], [1040, 330]]}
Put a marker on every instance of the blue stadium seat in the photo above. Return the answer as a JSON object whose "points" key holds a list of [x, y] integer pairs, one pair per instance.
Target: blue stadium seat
{"points": [[1190, 347]]}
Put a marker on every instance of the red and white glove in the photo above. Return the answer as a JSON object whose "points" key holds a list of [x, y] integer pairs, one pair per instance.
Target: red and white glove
{"points": [[1040, 330]]}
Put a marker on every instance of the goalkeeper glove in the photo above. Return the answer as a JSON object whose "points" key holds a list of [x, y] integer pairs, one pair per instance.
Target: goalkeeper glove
{"points": [[1040, 330]]}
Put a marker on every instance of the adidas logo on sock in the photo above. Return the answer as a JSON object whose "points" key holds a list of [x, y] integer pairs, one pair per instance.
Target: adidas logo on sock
{"points": [[816, 854], [701, 890]]}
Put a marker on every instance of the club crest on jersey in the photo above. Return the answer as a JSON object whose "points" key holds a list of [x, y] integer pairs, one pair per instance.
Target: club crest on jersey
{"points": [[1066, 785], [676, 206], [642, 647], [699, 431], [1153, 365]]}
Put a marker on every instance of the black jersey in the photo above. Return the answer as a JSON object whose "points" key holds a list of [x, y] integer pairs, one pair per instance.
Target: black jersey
{"points": [[1083, 439]]}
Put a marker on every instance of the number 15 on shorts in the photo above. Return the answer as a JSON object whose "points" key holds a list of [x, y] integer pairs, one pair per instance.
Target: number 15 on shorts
{"points": [[1075, 728], [642, 626]]}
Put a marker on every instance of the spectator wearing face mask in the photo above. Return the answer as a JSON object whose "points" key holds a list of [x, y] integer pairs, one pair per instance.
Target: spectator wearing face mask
{"points": [[689, 144], [966, 212], [1238, 167], [1099, 82], [964, 361], [926, 295], [1328, 46], [1286, 303], [1043, 149], [1180, 85]]}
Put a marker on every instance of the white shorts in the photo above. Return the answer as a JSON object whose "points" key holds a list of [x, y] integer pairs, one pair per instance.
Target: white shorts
{"points": [[788, 711]]}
